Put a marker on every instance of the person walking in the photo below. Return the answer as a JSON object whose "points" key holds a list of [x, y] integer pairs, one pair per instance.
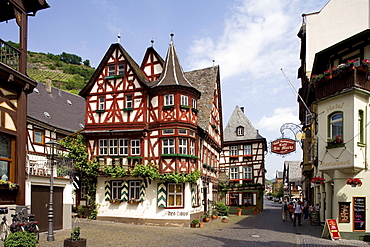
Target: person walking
{"points": [[285, 211], [298, 210], [291, 210]]}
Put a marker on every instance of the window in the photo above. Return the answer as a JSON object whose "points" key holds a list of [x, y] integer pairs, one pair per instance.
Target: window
{"points": [[308, 117], [111, 70], [336, 124], [247, 149], [247, 172], [113, 147], [183, 146], [168, 99], [101, 103], [182, 132], [192, 147], [135, 147], [103, 147], [121, 69], [129, 101], [233, 150], [5, 157], [116, 189], [194, 102], [234, 199], [184, 100], [168, 146], [175, 194], [123, 146], [168, 131], [38, 136], [234, 173], [134, 189], [83, 190], [361, 125], [240, 131], [247, 199]]}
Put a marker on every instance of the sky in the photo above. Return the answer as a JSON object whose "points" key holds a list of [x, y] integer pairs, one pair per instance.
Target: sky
{"points": [[255, 44]]}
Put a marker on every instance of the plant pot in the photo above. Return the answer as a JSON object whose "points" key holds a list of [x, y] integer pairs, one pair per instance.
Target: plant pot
{"points": [[193, 225], [239, 213], [255, 212], [214, 217], [206, 219], [353, 185], [225, 220], [75, 243], [201, 224]]}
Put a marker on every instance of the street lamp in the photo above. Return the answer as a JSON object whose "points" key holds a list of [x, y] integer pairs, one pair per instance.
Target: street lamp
{"points": [[52, 144]]}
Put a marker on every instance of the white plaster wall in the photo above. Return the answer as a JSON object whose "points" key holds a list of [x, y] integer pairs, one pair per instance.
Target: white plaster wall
{"points": [[338, 20]]}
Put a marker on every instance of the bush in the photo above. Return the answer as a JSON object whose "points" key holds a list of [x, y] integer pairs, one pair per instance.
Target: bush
{"points": [[222, 209], [24, 239]]}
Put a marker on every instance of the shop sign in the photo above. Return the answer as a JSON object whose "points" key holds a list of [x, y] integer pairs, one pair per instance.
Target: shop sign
{"points": [[283, 146]]}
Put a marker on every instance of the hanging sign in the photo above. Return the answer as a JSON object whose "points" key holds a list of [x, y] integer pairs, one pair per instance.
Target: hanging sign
{"points": [[331, 227], [283, 146]]}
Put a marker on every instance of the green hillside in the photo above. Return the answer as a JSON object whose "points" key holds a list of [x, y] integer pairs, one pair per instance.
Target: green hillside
{"points": [[67, 71]]}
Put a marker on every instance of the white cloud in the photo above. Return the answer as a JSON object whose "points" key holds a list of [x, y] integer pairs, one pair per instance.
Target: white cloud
{"points": [[280, 117]]}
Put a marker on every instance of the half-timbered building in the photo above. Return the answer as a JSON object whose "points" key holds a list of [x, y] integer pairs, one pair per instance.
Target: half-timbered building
{"points": [[15, 85], [243, 161], [52, 114], [153, 114]]}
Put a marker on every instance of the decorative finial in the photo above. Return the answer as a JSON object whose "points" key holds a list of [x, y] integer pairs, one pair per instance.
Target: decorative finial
{"points": [[119, 38], [152, 41], [172, 34], [213, 62]]}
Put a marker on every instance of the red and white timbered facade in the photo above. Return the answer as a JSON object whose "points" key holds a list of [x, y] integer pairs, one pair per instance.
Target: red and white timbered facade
{"points": [[151, 114]]}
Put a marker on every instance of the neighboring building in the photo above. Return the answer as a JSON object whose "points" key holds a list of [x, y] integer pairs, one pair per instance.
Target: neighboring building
{"points": [[292, 177], [278, 183], [52, 114], [335, 88], [15, 85], [243, 160], [153, 114]]}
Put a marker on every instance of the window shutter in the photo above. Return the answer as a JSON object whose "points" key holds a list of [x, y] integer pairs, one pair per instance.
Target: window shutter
{"points": [[107, 192], [162, 195], [254, 199], [227, 199], [124, 191], [142, 191], [240, 198]]}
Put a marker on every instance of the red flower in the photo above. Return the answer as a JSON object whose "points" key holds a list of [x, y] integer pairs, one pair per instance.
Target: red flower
{"points": [[317, 180], [355, 181]]}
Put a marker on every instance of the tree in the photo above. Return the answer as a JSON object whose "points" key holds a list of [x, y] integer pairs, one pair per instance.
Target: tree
{"points": [[87, 62], [70, 58]]}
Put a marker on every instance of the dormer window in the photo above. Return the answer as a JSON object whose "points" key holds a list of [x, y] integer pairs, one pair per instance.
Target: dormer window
{"points": [[240, 131], [116, 70]]}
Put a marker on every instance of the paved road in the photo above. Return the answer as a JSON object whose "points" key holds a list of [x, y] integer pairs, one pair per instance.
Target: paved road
{"points": [[265, 229]]}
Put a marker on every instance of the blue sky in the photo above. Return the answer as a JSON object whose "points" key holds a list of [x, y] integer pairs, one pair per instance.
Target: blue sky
{"points": [[250, 40]]}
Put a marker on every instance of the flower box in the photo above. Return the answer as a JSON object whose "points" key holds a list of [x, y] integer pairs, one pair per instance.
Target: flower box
{"points": [[354, 182], [115, 200], [317, 180]]}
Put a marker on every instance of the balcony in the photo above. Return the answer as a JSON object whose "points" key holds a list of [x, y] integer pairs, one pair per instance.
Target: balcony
{"points": [[41, 167], [9, 55], [351, 78]]}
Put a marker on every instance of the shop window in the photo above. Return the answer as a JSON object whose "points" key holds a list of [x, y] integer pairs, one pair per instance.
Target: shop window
{"points": [[234, 199], [248, 199], [174, 195]]}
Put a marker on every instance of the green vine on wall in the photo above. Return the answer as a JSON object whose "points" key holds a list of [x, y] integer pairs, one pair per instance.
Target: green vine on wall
{"points": [[115, 171]]}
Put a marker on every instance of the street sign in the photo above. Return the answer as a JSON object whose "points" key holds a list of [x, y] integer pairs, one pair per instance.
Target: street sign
{"points": [[283, 146]]}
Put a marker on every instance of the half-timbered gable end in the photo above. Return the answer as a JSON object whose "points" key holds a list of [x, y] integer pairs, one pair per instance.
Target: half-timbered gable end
{"points": [[152, 64], [242, 159]]}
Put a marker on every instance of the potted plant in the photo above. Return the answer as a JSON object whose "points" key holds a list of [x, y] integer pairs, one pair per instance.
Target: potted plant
{"points": [[201, 224], [214, 214], [354, 182], [225, 219], [80, 211], [317, 180], [20, 239], [206, 217], [194, 223], [75, 240], [240, 210], [255, 210]]}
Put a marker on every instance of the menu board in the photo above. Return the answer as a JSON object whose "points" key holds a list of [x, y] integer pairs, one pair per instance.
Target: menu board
{"points": [[344, 212], [359, 217], [315, 218]]}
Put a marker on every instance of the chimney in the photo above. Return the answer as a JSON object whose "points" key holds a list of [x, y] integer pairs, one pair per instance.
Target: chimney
{"points": [[242, 108], [48, 85]]}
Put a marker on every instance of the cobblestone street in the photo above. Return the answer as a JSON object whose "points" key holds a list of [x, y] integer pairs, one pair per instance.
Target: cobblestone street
{"points": [[265, 229]]}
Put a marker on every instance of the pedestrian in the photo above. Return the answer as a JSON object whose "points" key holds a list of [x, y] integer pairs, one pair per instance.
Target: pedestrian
{"points": [[291, 210], [317, 207], [298, 210], [305, 209], [311, 209], [285, 211]]}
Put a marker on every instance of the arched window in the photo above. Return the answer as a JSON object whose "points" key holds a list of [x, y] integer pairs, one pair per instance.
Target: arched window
{"points": [[336, 125]]}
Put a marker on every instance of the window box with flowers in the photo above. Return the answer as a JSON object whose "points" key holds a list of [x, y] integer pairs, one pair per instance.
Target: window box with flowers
{"points": [[134, 201], [354, 182], [115, 200], [336, 142], [334, 71], [317, 180], [234, 181], [247, 156]]}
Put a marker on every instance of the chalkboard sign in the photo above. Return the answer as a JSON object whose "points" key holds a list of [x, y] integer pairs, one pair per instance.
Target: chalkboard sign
{"points": [[359, 217], [344, 212], [315, 218]]}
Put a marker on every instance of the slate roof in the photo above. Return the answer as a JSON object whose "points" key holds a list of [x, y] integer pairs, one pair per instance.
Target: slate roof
{"points": [[279, 175], [172, 73], [205, 81], [66, 110], [238, 119], [295, 171]]}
